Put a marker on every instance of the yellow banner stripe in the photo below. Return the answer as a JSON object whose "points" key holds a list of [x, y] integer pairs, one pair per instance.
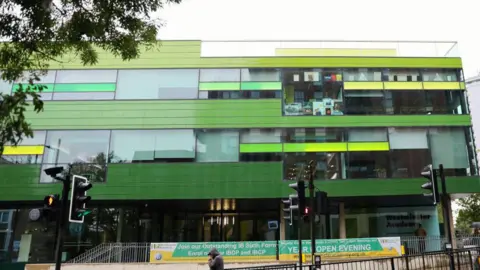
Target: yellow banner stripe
{"points": [[441, 85], [23, 150], [403, 85], [368, 146]]}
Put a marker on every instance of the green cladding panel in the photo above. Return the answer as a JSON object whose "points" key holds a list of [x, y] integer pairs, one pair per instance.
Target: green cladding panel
{"points": [[191, 180], [209, 114], [208, 180], [186, 54]]}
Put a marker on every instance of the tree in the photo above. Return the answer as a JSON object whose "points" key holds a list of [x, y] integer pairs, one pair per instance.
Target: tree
{"points": [[469, 212], [39, 32]]}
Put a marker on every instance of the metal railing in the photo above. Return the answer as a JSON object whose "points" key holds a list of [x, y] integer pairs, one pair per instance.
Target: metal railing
{"points": [[116, 253], [458, 260], [140, 252]]}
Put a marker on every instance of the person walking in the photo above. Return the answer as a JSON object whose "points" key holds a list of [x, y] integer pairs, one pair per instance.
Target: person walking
{"points": [[421, 233], [215, 260]]}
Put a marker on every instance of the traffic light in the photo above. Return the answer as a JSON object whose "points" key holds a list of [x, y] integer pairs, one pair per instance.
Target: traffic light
{"points": [[79, 199], [306, 214], [299, 187], [287, 211], [291, 174], [51, 201], [431, 184]]}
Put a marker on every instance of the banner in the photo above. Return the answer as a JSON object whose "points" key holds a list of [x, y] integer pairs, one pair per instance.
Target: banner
{"points": [[198, 252], [355, 248]]}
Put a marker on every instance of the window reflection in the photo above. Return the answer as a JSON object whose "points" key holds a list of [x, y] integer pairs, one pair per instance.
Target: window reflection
{"points": [[368, 165], [261, 157], [402, 75], [76, 146], [21, 159], [313, 92], [260, 75], [449, 147], [405, 102], [446, 102], [329, 166], [313, 135], [363, 75], [440, 75], [364, 102], [244, 94]]}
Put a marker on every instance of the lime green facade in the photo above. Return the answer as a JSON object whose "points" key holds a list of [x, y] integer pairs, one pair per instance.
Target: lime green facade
{"points": [[226, 178]]}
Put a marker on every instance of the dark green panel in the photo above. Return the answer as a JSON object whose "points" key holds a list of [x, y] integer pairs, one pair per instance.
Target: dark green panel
{"points": [[84, 87], [391, 187], [209, 114], [208, 180], [191, 180], [21, 182]]}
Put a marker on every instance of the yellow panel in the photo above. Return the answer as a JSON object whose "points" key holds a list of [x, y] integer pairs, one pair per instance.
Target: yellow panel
{"points": [[403, 85], [315, 147], [23, 150], [334, 52], [441, 85], [462, 85], [368, 146], [363, 85]]}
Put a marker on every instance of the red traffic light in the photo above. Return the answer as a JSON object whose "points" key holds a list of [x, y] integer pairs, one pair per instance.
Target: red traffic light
{"points": [[307, 210]]}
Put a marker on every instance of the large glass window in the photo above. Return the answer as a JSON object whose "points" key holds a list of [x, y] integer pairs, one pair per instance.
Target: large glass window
{"points": [[157, 84], [362, 75], [217, 146], [313, 135], [312, 92], [152, 146], [46, 80], [260, 75], [368, 165], [220, 75], [405, 102], [440, 75], [446, 102], [449, 147], [33, 145], [86, 152], [86, 76], [329, 166], [409, 151], [80, 146], [367, 135], [363, 102], [402, 75], [261, 136], [244, 94]]}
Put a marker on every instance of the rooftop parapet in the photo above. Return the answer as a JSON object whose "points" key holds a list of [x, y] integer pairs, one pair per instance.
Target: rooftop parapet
{"points": [[328, 48]]}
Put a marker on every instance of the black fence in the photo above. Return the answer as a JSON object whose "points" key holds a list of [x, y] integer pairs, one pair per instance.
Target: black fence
{"points": [[460, 259]]}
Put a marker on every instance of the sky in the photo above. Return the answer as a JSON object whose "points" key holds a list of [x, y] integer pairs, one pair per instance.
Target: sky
{"points": [[424, 20]]}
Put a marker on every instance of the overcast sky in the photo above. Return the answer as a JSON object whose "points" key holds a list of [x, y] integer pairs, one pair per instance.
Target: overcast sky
{"points": [[329, 20]]}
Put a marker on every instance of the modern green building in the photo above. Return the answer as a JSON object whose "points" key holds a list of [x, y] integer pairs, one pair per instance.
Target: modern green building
{"points": [[191, 142]]}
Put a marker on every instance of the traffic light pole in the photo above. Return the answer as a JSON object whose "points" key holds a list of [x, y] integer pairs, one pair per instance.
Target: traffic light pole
{"points": [[300, 261], [63, 216], [444, 204], [311, 189]]}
